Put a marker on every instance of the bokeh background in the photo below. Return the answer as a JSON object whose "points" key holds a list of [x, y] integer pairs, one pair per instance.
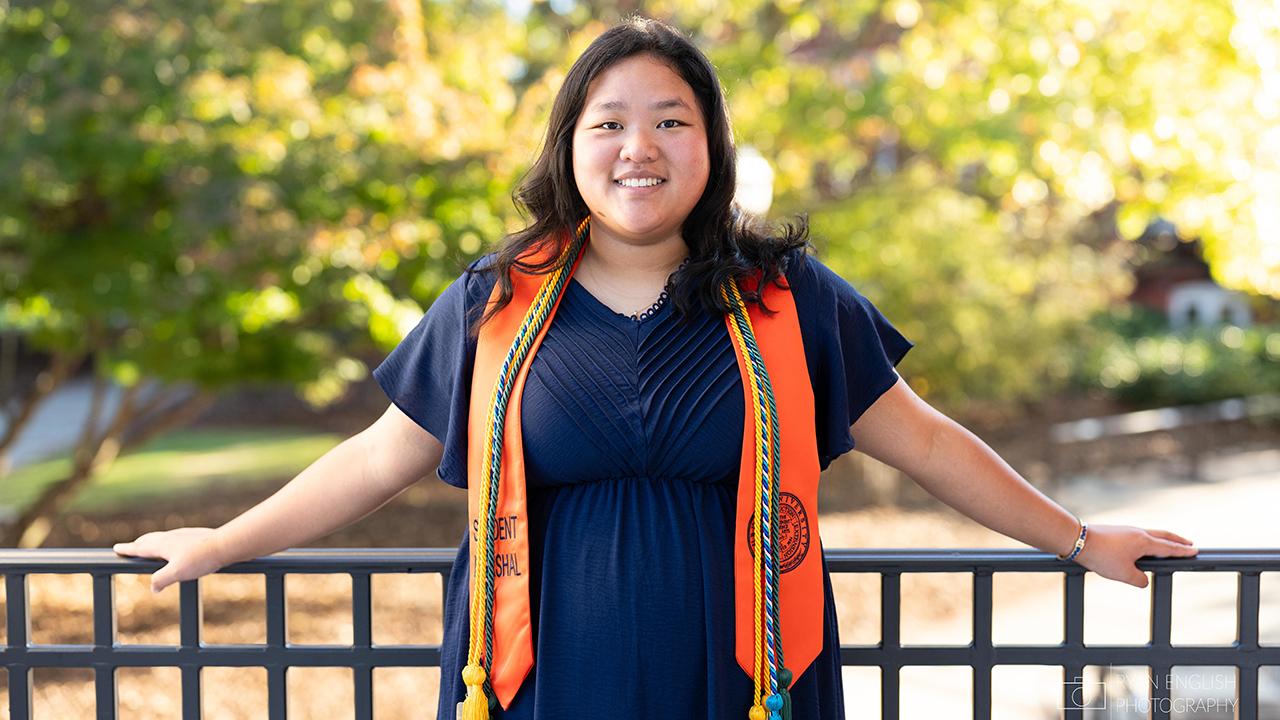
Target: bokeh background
{"points": [[216, 216]]}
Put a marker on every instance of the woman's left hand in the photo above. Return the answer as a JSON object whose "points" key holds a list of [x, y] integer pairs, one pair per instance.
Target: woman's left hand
{"points": [[1111, 550]]}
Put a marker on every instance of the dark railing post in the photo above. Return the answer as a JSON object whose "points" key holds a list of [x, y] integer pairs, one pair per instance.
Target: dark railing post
{"points": [[1161, 644], [1073, 643], [277, 638], [982, 659], [890, 643], [105, 696], [190, 631], [444, 591], [1248, 603], [362, 638], [104, 610], [18, 628], [104, 637], [21, 690]]}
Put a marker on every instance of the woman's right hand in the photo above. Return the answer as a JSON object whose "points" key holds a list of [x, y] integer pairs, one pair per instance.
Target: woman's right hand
{"points": [[190, 552], [350, 481]]}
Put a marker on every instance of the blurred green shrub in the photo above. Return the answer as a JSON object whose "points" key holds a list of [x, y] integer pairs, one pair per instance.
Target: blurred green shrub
{"points": [[993, 313], [1133, 358]]}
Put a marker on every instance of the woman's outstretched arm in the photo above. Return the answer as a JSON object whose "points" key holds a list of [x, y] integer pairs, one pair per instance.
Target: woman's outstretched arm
{"points": [[956, 467], [347, 483]]}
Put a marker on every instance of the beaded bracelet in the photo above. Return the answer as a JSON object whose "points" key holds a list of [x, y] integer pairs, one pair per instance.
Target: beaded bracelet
{"points": [[1084, 531]]}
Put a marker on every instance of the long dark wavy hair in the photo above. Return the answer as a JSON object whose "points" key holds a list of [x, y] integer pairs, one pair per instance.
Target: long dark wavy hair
{"points": [[724, 242]]}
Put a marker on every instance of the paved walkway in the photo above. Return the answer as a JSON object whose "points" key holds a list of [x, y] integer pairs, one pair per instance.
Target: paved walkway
{"points": [[58, 422]]}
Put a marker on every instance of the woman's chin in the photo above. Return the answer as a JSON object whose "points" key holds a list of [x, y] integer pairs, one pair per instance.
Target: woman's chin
{"points": [[641, 231]]}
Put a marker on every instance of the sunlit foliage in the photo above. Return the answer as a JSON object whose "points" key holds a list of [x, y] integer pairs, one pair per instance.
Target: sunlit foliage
{"points": [[228, 190]]}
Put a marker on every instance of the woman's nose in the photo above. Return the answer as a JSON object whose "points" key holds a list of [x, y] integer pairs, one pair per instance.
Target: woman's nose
{"points": [[639, 147]]}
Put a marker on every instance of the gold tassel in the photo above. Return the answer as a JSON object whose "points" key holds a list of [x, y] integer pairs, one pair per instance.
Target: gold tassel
{"points": [[476, 706], [757, 712]]}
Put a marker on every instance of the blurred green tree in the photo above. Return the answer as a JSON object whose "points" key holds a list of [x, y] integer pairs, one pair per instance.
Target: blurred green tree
{"points": [[1136, 360], [199, 194], [977, 168]]}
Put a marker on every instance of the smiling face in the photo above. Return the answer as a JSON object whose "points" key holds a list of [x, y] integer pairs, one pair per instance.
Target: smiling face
{"points": [[640, 155]]}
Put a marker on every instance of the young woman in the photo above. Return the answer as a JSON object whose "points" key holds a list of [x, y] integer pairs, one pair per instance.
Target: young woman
{"points": [[639, 390]]}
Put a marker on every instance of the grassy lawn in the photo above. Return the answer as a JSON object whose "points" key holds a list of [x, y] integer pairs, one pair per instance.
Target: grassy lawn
{"points": [[177, 464]]}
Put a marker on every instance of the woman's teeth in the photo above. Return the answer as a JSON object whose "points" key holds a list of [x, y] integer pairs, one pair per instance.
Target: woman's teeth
{"points": [[639, 182]]}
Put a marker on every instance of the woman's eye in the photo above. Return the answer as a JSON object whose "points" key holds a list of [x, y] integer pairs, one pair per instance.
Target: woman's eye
{"points": [[670, 124], [611, 125]]}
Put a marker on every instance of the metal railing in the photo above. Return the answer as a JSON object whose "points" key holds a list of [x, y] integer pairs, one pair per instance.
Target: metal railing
{"points": [[191, 654], [1246, 654], [106, 655], [1197, 425]]}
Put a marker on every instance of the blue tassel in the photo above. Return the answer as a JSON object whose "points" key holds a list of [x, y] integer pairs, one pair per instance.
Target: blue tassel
{"points": [[774, 704]]}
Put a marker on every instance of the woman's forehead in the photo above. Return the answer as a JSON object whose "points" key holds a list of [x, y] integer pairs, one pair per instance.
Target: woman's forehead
{"points": [[642, 81], [656, 104]]}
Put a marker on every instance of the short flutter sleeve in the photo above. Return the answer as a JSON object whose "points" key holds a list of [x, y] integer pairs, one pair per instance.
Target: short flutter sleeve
{"points": [[428, 375], [850, 348]]}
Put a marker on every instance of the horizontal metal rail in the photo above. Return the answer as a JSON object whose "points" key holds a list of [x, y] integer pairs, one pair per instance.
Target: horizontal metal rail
{"points": [[1199, 430], [105, 655]]}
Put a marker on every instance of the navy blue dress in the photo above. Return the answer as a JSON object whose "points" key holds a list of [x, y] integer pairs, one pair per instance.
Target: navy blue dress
{"points": [[633, 435]]}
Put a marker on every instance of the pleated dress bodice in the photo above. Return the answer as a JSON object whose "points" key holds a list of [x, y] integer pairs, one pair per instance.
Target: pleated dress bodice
{"points": [[610, 397], [632, 441]]}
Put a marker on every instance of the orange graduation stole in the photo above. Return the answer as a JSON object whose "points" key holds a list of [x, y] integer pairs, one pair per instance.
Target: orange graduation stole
{"points": [[777, 560]]}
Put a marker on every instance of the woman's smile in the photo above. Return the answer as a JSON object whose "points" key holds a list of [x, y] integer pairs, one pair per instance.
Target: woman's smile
{"points": [[640, 181]]}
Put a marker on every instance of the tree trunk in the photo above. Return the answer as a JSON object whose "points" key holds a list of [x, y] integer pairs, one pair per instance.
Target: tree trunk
{"points": [[131, 427], [8, 366], [61, 365]]}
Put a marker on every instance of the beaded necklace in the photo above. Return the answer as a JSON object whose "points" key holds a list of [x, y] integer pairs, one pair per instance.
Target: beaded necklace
{"points": [[642, 315]]}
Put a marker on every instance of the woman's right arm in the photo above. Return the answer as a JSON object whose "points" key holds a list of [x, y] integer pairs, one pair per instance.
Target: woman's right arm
{"points": [[347, 483]]}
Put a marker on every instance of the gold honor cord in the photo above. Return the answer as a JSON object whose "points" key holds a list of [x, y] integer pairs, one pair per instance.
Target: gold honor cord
{"points": [[480, 648], [768, 642]]}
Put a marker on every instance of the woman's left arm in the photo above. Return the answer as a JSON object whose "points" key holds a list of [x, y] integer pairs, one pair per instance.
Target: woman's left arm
{"points": [[956, 467]]}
